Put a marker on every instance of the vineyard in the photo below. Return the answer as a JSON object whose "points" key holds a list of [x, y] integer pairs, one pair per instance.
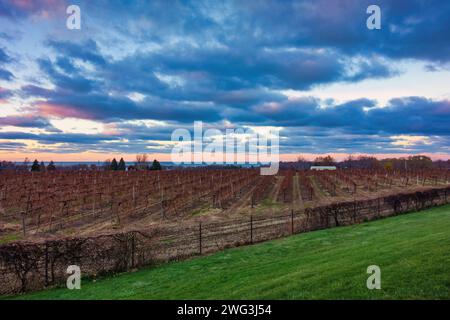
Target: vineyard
{"points": [[110, 222], [55, 204]]}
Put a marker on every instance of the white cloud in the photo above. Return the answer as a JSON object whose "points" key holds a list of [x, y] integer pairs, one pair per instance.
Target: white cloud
{"points": [[408, 141]]}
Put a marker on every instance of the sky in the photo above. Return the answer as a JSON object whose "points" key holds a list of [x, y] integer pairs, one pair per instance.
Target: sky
{"points": [[138, 70]]}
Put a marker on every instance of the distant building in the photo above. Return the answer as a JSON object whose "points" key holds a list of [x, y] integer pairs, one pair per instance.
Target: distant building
{"points": [[323, 168]]}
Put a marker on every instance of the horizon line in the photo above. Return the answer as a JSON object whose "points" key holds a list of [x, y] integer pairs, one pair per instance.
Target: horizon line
{"points": [[166, 157]]}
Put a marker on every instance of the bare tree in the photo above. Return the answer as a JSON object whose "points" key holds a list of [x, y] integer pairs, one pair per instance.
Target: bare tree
{"points": [[325, 161], [26, 163], [141, 161]]}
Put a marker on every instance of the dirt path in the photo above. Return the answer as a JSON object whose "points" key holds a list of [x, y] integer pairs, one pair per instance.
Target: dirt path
{"points": [[241, 205], [317, 190], [297, 201], [276, 189]]}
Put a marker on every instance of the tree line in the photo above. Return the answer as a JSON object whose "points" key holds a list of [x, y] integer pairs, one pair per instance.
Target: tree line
{"points": [[141, 163], [415, 162], [40, 167]]}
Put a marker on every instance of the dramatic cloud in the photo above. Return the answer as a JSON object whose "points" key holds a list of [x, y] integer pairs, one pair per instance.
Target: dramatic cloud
{"points": [[4, 59], [5, 74], [410, 29], [87, 52], [11, 146], [26, 121], [410, 115], [230, 63], [4, 93], [3, 56], [58, 138]]}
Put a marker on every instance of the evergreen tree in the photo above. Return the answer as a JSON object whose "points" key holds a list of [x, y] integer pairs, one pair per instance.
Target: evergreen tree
{"points": [[114, 165], [35, 166], [156, 165], [51, 166], [121, 166]]}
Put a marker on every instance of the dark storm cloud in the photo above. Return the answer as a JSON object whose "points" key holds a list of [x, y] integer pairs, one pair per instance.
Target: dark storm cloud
{"points": [[74, 82], [308, 112], [412, 115], [4, 56], [11, 146], [109, 108], [194, 86], [26, 121], [5, 74], [410, 28], [409, 115], [201, 72], [87, 51], [77, 138]]}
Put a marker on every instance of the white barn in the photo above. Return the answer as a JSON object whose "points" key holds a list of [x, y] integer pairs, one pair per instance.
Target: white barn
{"points": [[323, 168]]}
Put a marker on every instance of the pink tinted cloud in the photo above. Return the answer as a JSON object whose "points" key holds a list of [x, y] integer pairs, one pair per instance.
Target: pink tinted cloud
{"points": [[111, 129], [40, 8], [3, 94], [60, 111], [443, 109]]}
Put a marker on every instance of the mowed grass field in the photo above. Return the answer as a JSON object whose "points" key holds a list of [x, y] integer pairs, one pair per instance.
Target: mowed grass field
{"points": [[413, 252]]}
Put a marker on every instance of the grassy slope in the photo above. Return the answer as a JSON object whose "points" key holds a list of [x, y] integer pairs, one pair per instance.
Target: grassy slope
{"points": [[412, 250]]}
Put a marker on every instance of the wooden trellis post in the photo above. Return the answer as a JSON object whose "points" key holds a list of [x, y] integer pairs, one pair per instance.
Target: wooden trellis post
{"points": [[133, 245], [292, 221], [378, 207], [200, 237], [24, 224], [251, 228], [46, 264]]}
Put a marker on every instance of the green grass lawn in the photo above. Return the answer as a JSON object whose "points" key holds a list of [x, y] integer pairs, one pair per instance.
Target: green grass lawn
{"points": [[413, 252]]}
